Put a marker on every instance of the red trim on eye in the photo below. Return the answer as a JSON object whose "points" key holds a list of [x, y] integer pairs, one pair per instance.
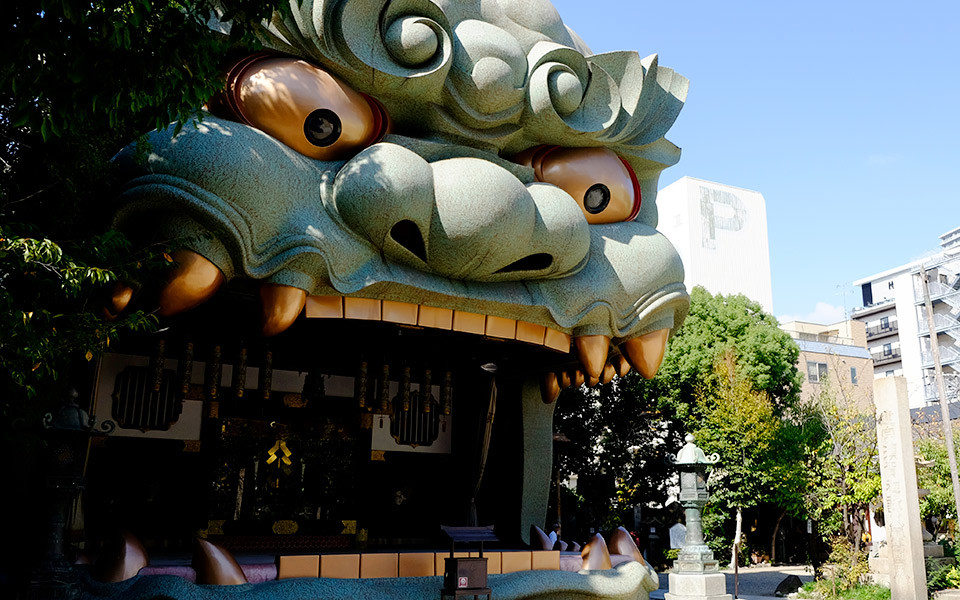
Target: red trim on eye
{"points": [[636, 191], [381, 119]]}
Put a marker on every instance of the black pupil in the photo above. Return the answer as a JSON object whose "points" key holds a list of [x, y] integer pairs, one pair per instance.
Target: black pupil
{"points": [[597, 198], [322, 127]]}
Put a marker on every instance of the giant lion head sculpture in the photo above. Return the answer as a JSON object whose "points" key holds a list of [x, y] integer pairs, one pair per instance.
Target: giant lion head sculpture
{"points": [[467, 165]]}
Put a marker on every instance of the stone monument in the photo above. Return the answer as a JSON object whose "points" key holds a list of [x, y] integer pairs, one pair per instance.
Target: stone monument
{"points": [[696, 573], [901, 504]]}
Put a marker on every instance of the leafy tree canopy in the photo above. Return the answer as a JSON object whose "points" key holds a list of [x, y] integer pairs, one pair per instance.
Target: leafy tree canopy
{"points": [[717, 326], [80, 80]]}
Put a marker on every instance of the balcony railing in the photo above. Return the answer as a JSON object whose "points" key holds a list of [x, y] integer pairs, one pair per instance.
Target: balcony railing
{"points": [[886, 357], [948, 356], [941, 322], [820, 337], [880, 330]]}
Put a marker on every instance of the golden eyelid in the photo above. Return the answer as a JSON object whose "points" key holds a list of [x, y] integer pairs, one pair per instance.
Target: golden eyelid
{"points": [[576, 170], [276, 95]]}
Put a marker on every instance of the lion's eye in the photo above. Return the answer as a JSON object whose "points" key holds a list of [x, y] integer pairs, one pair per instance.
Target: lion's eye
{"points": [[603, 184], [304, 107]]}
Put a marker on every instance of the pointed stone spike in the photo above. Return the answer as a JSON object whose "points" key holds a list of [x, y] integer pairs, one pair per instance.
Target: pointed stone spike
{"points": [[608, 372], [118, 300], [621, 542], [192, 282], [549, 388], [592, 350], [565, 380], [592, 381], [595, 555], [645, 353], [215, 565], [539, 540], [623, 367], [121, 561], [280, 306]]}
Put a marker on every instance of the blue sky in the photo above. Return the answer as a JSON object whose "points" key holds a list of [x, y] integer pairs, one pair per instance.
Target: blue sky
{"points": [[845, 115]]}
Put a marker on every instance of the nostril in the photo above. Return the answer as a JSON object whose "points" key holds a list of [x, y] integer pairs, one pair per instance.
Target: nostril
{"points": [[533, 262], [407, 234]]}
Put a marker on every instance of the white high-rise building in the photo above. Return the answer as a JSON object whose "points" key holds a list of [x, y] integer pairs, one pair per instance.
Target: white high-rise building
{"points": [[720, 232], [898, 333]]}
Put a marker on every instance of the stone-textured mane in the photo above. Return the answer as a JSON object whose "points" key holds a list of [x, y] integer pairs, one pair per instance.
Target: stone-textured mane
{"points": [[540, 89]]}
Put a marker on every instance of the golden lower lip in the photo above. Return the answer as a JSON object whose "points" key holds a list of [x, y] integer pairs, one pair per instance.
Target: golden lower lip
{"points": [[405, 313]]}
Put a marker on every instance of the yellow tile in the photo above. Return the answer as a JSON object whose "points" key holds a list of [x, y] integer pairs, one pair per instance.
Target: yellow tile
{"points": [[493, 561], [361, 308], [545, 560], [442, 555], [324, 307], [511, 562], [529, 332], [469, 322], [431, 316], [400, 312], [557, 340], [340, 566], [379, 565], [297, 566], [501, 328], [417, 564]]}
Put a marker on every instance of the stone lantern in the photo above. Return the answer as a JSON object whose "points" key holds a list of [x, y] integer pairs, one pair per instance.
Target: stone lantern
{"points": [[696, 574], [67, 434]]}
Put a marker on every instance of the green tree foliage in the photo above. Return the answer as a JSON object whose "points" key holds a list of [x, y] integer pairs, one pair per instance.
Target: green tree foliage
{"points": [[729, 375], [717, 325], [80, 80], [936, 476], [845, 471], [762, 456]]}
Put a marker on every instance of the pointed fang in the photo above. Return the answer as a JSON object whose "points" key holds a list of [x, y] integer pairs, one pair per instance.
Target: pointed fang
{"points": [[623, 366], [280, 306], [608, 373], [595, 555], [645, 353], [578, 378], [193, 282], [214, 565], [621, 542], [549, 388], [592, 350], [122, 561]]}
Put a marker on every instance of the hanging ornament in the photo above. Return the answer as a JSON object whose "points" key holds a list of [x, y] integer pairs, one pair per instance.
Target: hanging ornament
{"points": [[266, 374], [185, 369]]}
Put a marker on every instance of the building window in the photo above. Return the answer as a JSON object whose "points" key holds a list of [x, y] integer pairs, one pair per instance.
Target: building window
{"points": [[853, 375], [816, 372], [888, 374], [884, 322], [887, 349]]}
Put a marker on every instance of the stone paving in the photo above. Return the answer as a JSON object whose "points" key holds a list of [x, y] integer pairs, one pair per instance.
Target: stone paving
{"points": [[756, 583]]}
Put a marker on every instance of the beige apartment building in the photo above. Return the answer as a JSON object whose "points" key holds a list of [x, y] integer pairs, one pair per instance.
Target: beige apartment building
{"points": [[836, 354]]}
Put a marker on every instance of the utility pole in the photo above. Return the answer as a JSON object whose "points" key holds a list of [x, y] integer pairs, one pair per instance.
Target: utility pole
{"points": [[941, 389]]}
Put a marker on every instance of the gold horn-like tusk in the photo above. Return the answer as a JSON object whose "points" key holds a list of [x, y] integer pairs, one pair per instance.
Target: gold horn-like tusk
{"points": [[280, 306], [192, 282], [592, 350], [122, 561], [595, 555], [645, 353], [215, 565], [549, 388]]}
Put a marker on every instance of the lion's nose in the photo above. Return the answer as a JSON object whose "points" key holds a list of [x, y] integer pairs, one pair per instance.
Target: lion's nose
{"points": [[462, 218]]}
